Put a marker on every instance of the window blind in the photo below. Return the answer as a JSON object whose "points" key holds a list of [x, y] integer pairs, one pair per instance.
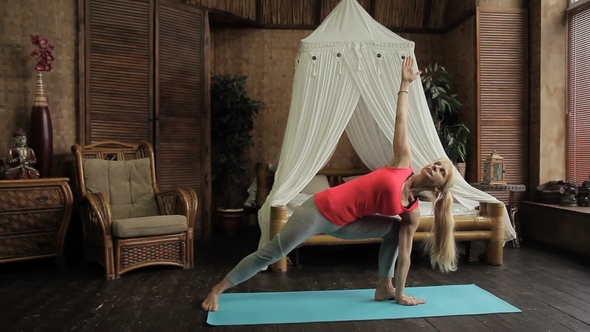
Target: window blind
{"points": [[578, 108]]}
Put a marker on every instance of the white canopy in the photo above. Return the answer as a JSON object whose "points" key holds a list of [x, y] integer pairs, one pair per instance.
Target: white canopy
{"points": [[347, 75]]}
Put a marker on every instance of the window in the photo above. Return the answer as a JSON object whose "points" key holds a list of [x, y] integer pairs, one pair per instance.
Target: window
{"points": [[578, 99]]}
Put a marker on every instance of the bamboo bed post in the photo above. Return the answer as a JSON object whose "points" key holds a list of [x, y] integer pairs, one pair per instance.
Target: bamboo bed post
{"points": [[262, 179], [495, 252], [483, 209], [278, 218]]}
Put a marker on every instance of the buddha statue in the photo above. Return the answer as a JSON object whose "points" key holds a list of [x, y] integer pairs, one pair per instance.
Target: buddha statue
{"points": [[20, 159]]}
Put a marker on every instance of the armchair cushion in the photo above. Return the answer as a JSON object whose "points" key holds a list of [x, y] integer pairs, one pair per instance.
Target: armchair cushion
{"points": [[149, 226], [127, 184]]}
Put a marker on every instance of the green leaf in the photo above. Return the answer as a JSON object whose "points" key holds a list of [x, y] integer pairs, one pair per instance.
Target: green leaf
{"points": [[445, 109], [232, 120]]}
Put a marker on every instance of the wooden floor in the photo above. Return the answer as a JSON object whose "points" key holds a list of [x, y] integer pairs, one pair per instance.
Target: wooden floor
{"points": [[552, 289]]}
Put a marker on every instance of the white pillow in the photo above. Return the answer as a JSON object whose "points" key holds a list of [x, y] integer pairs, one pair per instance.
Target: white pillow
{"points": [[317, 184], [350, 178]]}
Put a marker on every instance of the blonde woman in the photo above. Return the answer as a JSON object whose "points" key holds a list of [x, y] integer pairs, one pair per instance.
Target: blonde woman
{"points": [[358, 210]]}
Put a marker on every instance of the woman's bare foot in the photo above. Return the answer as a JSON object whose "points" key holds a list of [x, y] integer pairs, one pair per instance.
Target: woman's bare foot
{"points": [[385, 290], [211, 301]]}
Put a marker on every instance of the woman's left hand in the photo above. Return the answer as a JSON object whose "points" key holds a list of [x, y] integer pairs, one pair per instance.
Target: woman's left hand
{"points": [[408, 73]]}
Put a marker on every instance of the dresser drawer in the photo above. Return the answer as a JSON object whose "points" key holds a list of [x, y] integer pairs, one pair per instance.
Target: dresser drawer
{"points": [[18, 247], [13, 199], [24, 222]]}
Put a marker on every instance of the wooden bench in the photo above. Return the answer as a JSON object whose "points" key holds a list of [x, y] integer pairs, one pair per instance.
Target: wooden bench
{"points": [[565, 227]]}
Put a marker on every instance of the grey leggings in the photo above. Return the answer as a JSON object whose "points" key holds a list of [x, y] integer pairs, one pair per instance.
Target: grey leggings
{"points": [[306, 222]]}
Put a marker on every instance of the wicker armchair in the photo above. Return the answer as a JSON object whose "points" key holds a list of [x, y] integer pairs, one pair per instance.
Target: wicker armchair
{"points": [[128, 223]]}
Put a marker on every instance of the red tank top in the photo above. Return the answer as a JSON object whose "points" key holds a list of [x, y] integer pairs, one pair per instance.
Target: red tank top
{"points": [[379, 192]]}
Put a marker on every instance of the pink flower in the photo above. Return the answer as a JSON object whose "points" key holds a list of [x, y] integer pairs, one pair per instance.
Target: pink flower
{"points": [[42, 53]]}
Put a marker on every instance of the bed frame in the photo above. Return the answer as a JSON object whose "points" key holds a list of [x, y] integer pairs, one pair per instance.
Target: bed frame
{"points": [[486, 226]]}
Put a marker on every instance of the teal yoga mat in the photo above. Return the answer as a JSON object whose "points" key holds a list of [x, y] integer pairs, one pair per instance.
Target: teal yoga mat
{"points": [[351, 305]]}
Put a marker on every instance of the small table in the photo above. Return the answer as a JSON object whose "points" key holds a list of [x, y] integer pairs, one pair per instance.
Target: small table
{"points": [[34, 218], [512, 208]]}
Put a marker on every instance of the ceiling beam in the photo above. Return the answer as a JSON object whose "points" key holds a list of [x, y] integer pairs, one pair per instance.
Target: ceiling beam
{"points": [[450, 25], [313, 27], [219, 18]]}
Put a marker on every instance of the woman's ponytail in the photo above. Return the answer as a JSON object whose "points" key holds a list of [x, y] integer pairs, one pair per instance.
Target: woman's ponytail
{"points": [[441, 246]]}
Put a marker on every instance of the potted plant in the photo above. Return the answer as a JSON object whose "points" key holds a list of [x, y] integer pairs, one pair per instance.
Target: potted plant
{"points": [[232, 121], [445, 110]]}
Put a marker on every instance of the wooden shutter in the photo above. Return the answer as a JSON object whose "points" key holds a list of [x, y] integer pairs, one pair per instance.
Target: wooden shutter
{"points": [[117, 78], [578, 109], [182, 126], [502, 92]]}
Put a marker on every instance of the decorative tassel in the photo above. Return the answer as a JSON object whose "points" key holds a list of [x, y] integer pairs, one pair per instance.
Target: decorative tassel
{"points": [[359, 55], [314, 64], [339, 63]]}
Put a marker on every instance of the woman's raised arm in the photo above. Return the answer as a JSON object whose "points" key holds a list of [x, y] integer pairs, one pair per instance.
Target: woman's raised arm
{"points": [[402, 154]]}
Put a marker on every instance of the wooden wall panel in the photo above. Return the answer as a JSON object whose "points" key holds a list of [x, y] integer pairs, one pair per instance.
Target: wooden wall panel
{"points": [[460, 61], [180, 145], [502, 3], [534, 94], [502, 91], [118, 71]]}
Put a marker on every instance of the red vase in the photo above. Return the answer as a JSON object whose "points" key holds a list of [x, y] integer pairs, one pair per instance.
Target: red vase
{"points": [[40, 136]]}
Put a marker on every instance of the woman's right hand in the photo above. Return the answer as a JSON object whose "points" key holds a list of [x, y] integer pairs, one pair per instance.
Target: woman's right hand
{"points": [[410, 300]]}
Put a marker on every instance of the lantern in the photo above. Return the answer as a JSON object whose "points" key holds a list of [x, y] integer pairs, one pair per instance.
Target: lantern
{"points": [[493, 169]]}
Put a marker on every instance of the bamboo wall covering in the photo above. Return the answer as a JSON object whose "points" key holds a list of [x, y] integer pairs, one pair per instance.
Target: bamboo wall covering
{"points": [[398, 15]]}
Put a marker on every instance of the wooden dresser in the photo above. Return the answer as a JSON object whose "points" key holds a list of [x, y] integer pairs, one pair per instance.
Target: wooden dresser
{"points": [[34, 218]]}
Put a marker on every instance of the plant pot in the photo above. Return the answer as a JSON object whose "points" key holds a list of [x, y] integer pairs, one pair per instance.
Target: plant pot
{"points": [[230, 218], [461, 167]]}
